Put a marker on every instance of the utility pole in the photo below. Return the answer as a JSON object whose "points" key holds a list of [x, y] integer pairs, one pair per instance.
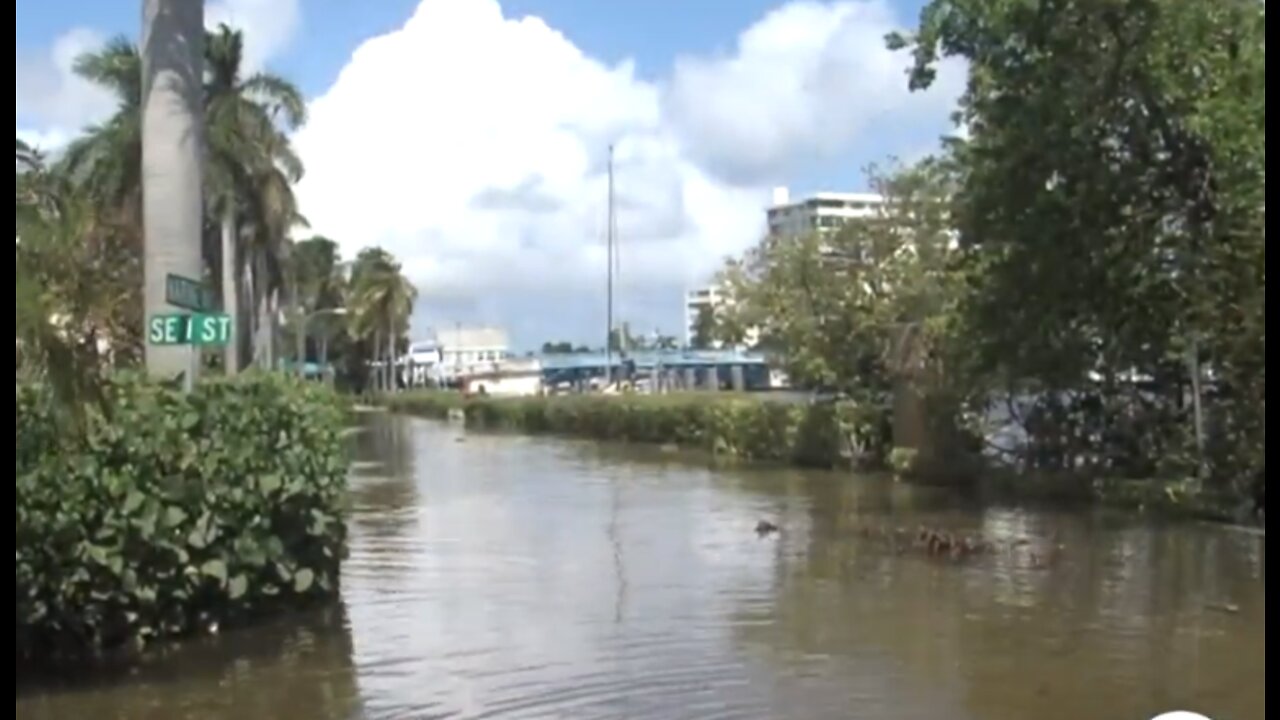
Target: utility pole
{"points": [[608, 335]]}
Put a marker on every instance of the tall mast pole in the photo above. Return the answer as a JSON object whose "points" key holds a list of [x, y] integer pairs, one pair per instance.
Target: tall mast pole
{"points": [[608, 336]]}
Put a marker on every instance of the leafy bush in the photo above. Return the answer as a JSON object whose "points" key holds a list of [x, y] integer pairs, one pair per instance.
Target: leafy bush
{"points": [[168, 512], [742, 426]]}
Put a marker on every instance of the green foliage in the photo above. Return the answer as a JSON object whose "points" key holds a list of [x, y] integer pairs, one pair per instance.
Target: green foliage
{"points": [[836, 304], [704, 328], [76, 279], [381, 302], [1112, 202], [739, 426], [864, 310], [171, 511]]}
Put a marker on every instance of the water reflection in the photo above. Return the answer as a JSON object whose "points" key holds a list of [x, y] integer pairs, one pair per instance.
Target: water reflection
{"points": [[300, 667], [500, 576]]}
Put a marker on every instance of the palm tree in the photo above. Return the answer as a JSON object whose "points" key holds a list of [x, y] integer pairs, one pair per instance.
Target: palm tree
{"points": [[107, 159], [381, 303], [252, 169], [318, 283], [172, 159]]}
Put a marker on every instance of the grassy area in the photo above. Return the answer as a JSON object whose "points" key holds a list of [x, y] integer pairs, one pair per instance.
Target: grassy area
{"points": [[752, 427], [733, 424]]}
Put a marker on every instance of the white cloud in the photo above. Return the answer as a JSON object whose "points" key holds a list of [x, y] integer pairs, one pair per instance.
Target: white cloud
{"points": [[808, 80], [269, 26], [53, 103], [472, 146]]}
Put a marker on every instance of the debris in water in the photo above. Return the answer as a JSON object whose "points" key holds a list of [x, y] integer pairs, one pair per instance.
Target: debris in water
{"points": [[764, 527]]}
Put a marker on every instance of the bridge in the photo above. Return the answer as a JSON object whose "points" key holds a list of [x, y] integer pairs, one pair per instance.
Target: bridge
{"points": [[688, 369]]}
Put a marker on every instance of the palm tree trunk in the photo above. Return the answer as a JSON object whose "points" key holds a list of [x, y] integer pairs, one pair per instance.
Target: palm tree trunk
{"points": [[231, 287], [262, 351], [392, 383], [247, 313], [324, 354], [376, 375], [300, 329], [172, 47], [272, 325]]}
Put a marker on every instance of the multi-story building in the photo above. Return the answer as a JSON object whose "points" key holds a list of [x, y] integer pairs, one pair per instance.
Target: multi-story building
{"points": [[822, 212]]}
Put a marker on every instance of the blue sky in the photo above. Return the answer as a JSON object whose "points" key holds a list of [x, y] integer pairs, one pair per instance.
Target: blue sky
{"points": [[700, 139]]}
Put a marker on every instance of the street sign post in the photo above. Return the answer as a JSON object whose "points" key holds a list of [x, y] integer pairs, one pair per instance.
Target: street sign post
{"points": [[202, 329]]}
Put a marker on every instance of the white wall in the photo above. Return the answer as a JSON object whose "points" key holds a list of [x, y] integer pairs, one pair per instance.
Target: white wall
{"points": [[509, 386]]}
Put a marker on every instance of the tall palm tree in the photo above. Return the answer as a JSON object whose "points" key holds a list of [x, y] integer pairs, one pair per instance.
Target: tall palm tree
{"points": [[172, 159], [317, 278], [252, 169], [381, 302]]}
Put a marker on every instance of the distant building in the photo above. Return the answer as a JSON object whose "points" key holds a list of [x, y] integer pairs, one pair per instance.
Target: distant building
{"points": [[468, 351], [822, 212]]}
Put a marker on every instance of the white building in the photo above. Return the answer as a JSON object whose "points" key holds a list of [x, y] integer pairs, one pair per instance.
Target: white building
{"points": [[468, 351], [822, 212], [516, 377]]}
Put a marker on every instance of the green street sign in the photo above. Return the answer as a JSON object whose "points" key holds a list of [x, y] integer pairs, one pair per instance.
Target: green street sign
{"points": [[198, 329], [188, 294]]}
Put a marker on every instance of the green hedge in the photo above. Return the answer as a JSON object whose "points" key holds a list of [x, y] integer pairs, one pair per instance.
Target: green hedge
{"points": [[737, 425], [167, 513]]}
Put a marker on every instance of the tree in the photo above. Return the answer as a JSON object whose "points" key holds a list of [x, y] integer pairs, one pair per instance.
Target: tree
{"points": [[172, 134], [317, 274], [381, 303], [704, 328], [834, 303], [107, 160], [1112, 196], [252, 169], [77, 288], [556, 348]]}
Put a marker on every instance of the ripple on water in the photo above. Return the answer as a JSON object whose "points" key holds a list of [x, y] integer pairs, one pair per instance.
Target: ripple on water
{"points": [[512, 577]]}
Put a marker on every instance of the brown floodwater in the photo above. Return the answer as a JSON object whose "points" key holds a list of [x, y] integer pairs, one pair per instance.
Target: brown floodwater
{"points": [[496, 576]]}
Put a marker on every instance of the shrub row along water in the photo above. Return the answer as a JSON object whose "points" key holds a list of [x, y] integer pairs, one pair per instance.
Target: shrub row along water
{"points": [[167, 513], [742, 426]]}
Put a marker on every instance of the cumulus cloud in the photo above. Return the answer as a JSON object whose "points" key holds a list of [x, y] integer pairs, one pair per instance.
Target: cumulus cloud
{"points": [[808, 80], [53, 103], [473, 146]]}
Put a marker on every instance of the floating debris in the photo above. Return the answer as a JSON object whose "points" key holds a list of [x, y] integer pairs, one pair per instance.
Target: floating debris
{"points": [[952, 544], [764, 527]]}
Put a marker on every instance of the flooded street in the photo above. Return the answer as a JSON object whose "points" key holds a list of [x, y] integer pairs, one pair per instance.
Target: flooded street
{"points": [[497, 576]]}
